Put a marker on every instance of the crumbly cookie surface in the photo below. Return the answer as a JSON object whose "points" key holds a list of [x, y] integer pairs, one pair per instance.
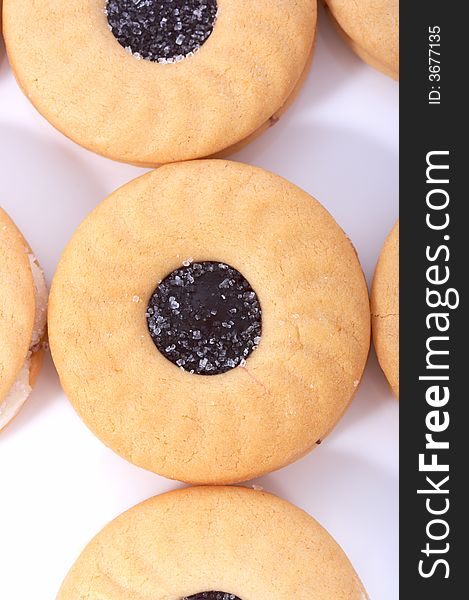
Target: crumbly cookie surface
{"points": [[315, 322], [244, 543], [17, 303], [385, 309], [140, 111], [372, 29]]}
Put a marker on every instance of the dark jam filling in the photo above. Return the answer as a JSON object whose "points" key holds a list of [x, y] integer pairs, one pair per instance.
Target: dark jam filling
{"points": [[205, 318], [161, 30], [212, 596]]}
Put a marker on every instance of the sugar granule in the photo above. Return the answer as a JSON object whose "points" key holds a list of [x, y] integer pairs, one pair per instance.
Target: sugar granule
{"points": [[163, 31], [197, 327]]}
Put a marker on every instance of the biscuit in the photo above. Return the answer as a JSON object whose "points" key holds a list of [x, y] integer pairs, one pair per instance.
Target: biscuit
{"points": [[23, 301], [227, 271], [385, 309], [371, 28], [131, 98], [188, 544]]}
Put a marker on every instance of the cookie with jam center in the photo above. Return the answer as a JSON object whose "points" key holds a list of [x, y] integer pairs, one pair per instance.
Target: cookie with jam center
{"points": [[385, 309], [23, 301], [213, 543], [210, 321], [159, 81], [371, 27]]}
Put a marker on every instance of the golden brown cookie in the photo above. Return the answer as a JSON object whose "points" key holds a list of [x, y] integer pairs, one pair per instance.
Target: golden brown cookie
{"points": [[147, 85], [196, 395], [241, 543], [385, 309], [371, 27], [23, 301]]}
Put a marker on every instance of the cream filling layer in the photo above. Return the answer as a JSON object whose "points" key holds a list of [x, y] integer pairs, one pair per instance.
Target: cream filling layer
{"points": [[21, 389]]}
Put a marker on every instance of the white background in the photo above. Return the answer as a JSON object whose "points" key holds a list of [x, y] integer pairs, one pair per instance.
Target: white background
{"points": [[58, 484]]}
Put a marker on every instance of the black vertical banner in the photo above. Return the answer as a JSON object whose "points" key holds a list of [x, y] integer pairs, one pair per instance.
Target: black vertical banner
{"points": [[434, 361]]}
